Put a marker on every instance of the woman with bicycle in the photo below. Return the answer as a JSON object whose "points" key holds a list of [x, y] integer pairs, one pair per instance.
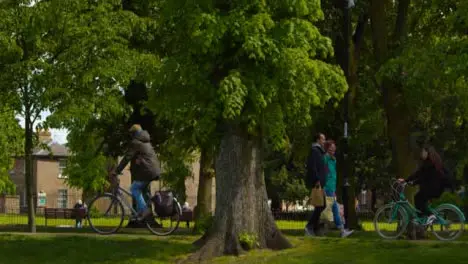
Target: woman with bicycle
{"points": [[431, 178]]}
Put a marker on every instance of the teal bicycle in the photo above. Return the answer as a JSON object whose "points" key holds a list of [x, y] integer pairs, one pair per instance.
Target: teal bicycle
{"points": [[447, 222]]}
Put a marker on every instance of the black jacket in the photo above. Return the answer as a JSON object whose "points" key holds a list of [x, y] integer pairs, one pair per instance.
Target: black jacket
{"points": [[315, 167], [430, 180], [144, 164]]}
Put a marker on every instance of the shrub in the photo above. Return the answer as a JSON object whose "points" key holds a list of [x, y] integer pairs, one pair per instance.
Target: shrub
{"points": [[203, 224], [248, 241]]}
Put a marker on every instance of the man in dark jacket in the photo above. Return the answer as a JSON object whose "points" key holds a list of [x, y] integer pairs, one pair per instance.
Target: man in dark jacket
{"points": [[316, 176], [144, 167]]}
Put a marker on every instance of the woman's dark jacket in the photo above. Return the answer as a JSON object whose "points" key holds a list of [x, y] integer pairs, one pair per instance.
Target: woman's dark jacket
{"points": [[430, 180]]}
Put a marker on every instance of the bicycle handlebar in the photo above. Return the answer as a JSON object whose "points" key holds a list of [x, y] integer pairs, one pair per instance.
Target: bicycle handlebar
{"points": [[403, 183]]}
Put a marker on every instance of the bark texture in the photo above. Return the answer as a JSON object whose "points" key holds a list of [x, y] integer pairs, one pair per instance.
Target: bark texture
{"points": [[29, 180], [203, 209], [396, 110], [241, 201]]}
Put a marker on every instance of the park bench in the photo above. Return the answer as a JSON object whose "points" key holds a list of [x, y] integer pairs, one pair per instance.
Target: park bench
{"points": [[63, 213]]}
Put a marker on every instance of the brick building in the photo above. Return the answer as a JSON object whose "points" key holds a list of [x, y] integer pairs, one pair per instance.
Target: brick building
{"points": [[49, 177]]}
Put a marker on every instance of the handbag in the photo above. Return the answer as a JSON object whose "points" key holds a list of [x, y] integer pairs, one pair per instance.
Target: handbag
{"points": [[327, 214], [317, 197]]}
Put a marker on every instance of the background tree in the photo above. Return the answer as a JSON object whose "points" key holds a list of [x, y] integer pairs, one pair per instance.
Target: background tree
{"points": [[11, 146], [56, 64], [23, 78]]}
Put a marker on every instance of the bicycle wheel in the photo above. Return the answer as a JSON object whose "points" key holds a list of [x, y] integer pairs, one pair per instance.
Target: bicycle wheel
{"points": [[390, 218], [164, 226], [106, 214], [449, 224]]}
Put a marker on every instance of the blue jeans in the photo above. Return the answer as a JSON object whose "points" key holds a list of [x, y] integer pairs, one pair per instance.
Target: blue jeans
{"points": [[137, 189], [335, 210]]}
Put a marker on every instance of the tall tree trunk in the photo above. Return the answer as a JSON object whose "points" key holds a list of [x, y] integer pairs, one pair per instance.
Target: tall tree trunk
{"points": [[205, 188], [29, 180], [241, 201], [398, 120]]}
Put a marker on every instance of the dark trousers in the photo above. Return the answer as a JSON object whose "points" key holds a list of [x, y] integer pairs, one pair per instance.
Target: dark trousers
{"points": [[421, 200], [314, 220]]}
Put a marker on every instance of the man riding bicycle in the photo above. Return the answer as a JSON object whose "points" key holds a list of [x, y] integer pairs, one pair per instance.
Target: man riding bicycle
{"points": [[144, 167]]}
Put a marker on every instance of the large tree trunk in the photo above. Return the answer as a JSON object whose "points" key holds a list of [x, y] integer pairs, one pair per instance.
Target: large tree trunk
{"points": [[29, 180], [203, 209], [398, 119], [241, 201]]}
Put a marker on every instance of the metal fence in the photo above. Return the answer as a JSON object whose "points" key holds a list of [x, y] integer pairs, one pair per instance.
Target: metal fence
{"points": [[13, 216]]}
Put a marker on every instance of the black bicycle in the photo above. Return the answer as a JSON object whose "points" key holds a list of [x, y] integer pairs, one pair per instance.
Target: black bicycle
{"points": [[107, 211]]}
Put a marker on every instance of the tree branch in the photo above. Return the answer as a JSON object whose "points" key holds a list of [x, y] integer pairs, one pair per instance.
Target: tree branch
{"points": [[358, 36], [401, 25], [378, 17], [35, 117]]}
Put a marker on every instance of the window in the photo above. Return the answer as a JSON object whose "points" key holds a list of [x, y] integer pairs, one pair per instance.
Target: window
{"points": [[62, 166], [62, 199]]}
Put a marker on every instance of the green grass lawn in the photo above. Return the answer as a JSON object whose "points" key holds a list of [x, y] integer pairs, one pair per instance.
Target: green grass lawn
{"points": [[12, 219], [135, 249], [290, 227], [357, 251]]}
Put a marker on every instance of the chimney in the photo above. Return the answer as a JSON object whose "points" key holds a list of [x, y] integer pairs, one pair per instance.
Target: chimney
{"points": [[44, 136]]}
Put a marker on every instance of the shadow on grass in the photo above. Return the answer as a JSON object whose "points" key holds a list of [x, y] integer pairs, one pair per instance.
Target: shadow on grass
{"points": [[88, 230], [89, 249]]}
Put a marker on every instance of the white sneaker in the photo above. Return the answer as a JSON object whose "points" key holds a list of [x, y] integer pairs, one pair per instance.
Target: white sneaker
{"points": [[346, 233], [309, 233], [430, 219]]}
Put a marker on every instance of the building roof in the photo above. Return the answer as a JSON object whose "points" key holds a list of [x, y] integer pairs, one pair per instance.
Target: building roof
{"points": [[54, 149]]}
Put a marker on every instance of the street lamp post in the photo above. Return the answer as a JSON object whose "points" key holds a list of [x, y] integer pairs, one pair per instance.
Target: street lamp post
{"points": [[347, 5]]}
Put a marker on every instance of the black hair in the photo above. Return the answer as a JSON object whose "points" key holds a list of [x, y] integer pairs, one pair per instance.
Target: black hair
{"points": [[317, 136]]}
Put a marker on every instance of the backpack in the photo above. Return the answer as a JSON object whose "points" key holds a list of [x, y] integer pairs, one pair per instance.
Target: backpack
{"points": [[163, 203]]}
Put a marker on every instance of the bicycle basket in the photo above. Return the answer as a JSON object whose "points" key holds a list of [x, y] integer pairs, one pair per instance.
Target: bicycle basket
{"points": [[163, 203], [397, 189]]}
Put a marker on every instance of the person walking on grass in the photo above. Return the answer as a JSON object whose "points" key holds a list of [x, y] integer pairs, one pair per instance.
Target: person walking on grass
{"points": [[315, 176], [330, 186]]}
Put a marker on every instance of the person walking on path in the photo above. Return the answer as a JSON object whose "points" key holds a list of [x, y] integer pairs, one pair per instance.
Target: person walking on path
{"points": [[315, 176], [330, 186]]}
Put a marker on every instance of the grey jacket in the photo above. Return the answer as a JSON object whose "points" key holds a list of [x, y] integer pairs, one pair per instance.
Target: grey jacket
{"points": [[144, 164]]}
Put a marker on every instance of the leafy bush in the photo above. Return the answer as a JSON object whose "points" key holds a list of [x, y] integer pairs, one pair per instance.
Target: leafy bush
{"points": [[248, 241], [203, 224], [94, 212]]}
